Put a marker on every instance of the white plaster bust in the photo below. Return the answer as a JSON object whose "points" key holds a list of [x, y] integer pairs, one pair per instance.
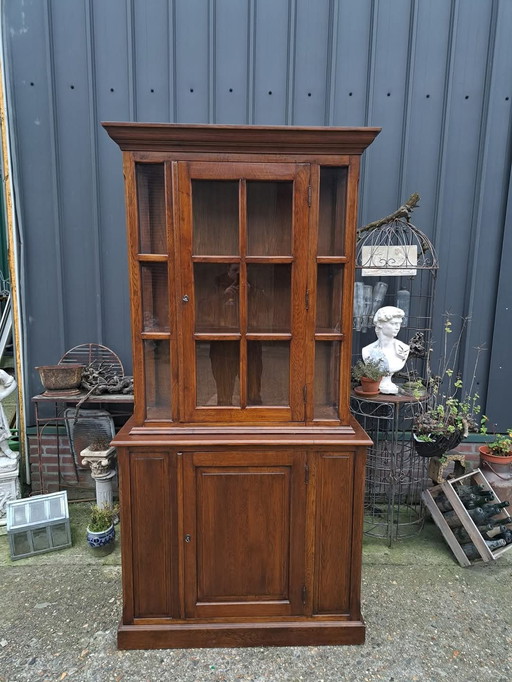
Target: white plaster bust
{"points": [[391, 351], [8, 458]]}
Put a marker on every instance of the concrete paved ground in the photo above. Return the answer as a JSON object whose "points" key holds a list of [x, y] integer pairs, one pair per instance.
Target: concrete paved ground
{"points": [[427, 619]]}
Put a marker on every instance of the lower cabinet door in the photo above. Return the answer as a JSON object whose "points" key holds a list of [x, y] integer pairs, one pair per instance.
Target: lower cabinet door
{"points": [[244, 534]]}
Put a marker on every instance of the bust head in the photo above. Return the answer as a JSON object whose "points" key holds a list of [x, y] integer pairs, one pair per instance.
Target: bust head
{"points": [[387, 321]]}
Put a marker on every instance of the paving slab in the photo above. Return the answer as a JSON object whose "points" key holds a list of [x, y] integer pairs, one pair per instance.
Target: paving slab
{"points": [[427, 619]]}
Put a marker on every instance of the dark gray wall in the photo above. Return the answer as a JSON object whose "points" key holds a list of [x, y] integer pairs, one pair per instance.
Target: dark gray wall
{"points": [[434, 74]]}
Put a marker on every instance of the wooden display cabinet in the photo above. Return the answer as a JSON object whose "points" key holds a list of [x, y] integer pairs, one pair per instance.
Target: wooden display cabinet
{"points": [[241, 471]]}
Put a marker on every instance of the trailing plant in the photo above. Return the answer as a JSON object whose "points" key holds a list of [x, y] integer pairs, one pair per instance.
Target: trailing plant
{"points": [[449, 407], [102, 517], [371, 369]]}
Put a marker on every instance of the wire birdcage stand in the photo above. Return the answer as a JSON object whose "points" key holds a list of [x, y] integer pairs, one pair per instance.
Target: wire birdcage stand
{"points": [[396, 265], [395, 474]]}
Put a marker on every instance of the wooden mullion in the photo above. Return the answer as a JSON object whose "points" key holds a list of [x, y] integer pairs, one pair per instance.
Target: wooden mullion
{"points": [[185, 286], [132, 224], [309, 342], [348, 288], [243, 291], [216, 259], [334, 260], [328, 336], [211, 336], [271, 260], [300, 228], [155, 336], [171, 219], [153, 257], [268, 336]]}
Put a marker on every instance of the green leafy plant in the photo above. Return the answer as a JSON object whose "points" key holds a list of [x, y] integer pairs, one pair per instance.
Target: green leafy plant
{"points": [[449, 407], [103, 517], [501, 446], [371, 369]]}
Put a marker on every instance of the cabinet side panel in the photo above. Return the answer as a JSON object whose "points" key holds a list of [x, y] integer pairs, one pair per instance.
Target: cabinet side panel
{"points": [[151, 517], [333, 533]]}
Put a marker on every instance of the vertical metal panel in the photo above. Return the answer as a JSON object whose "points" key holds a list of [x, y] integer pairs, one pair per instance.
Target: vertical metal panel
{"points": [[27, 39], [151, 60], [490, 278], [74, 171], [309, 78], [192, 61], [500, 368], [462, 152], [387, 106], [351, 57], [231, 80], [446, 65], [422, 148], [113, 98], [270, 62]]}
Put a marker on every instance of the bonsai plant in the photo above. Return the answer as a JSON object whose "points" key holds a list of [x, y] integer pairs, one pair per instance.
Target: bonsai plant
{"points": [[449, 412], [368, 374], [100, 530]]}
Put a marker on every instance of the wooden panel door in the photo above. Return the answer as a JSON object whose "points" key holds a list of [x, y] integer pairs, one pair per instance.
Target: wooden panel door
{"points": [[150, 505], [243, 238], [244, 525]]}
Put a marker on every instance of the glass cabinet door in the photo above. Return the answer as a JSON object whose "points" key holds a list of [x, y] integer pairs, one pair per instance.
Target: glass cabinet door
{"points": [[243, 243], [329, 270]]}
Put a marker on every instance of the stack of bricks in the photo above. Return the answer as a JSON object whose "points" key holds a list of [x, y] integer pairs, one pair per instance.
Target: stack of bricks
{"points": [[52, 461]]}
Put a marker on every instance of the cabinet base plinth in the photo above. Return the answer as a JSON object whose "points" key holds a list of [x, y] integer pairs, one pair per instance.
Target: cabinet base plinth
{"points": [[212, 635]]}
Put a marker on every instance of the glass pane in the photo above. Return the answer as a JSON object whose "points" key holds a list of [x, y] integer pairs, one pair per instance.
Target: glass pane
{"points": [[217, 298], [215, 217], [328, 300], [21, 544], [38, 512], [268, 373], [151, 203], [20, 515], [59, 535], [269, 218], [327, 372], [155, 298], [40, 539], [157, 374], [269, 294], [331, 222], [217, 372], [56, 508]]}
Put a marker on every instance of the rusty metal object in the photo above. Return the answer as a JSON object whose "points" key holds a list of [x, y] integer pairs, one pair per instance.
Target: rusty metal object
{"points": [[61, 378]]}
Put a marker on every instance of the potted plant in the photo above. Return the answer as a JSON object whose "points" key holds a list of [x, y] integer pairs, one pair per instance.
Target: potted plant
{"points": [[449, 412], [369, 375], [498, 451], [101, 533]]}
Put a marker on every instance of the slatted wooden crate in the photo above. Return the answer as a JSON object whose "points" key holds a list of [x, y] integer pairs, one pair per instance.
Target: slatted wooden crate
{"points": [[448, 488]]}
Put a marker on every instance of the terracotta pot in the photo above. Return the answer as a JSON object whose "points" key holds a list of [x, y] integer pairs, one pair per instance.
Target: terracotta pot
{"points": [[369, 385], [486, 456]]}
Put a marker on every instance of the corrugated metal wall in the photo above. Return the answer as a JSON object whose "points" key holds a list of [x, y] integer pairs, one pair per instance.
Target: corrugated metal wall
{"points": [[435, 74]]}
